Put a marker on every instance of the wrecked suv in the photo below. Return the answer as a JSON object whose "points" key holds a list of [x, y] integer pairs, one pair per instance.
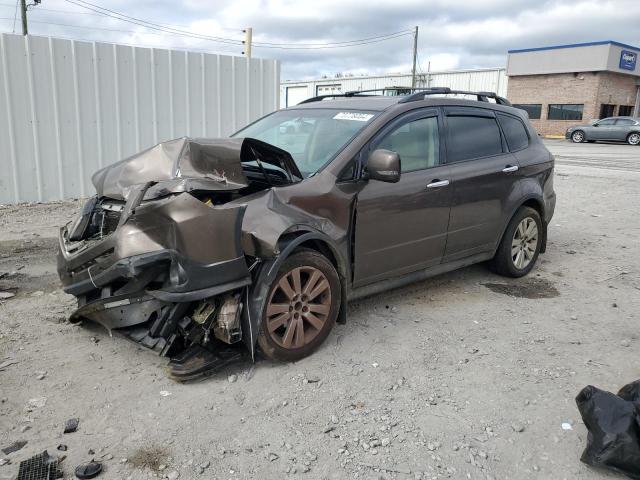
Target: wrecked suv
{"points": [[262, 238]]}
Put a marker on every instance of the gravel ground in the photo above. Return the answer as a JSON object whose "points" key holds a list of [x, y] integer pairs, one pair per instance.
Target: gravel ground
{"points": [[466, 375]]}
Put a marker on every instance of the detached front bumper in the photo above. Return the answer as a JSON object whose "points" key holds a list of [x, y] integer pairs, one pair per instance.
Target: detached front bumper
{"points": [[166, 253]]}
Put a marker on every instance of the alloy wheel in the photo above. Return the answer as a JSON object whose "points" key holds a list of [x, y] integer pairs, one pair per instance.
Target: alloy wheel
{"points": [[577, 137], [298, 307], [524, 243], [634, 139]]}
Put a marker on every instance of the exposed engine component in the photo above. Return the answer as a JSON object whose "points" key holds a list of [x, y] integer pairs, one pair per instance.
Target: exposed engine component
{"points": [[227, 326], [222, 315]]}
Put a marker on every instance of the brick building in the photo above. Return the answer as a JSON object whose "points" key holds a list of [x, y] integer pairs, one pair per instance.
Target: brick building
{"points": [[563, 85]]}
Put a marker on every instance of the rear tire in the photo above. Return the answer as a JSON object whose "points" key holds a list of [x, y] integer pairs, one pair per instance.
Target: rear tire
{"points": [[301, 308], [520, 244], [633, 138], [578, 136]]}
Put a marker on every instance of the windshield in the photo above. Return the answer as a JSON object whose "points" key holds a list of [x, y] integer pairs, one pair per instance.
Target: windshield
{"points": [[313, 137]]}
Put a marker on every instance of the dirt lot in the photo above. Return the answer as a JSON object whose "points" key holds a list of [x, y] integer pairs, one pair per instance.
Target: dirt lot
{"points": [[467, 375]]}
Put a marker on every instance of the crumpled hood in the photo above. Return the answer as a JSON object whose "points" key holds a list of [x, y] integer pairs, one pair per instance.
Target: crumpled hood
{"points": [[186, 164]]}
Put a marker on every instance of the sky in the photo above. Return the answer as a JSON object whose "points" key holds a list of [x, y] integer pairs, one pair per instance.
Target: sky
{"points": [[453, 34]]}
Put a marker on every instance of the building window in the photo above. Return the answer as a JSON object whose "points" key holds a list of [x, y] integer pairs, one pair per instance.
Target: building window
{"points": [[625, 110], [334, 89], [606, 110], [533, 109], [565, 112]]}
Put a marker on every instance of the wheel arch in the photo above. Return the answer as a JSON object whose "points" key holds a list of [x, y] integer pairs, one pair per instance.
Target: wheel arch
{"points": [[532, 201], [631, 133], [255, 295]]}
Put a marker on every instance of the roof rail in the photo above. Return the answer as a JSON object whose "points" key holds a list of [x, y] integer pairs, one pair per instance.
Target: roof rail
{"points": [[352, 93], [481, 96], [419, 94]]}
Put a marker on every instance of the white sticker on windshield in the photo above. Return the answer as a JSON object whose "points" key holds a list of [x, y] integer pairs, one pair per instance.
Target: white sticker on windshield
{"points": [[356, 116]]}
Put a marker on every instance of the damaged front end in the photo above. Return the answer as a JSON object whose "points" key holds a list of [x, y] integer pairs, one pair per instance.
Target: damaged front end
{"points": [[157, 254]]}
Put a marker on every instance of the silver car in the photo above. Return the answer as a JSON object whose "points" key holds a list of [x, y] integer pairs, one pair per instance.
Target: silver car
{"points": [[612, 129]]}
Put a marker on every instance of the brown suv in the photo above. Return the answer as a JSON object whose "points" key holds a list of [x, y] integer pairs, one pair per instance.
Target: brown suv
{"points": [[195, 244]]}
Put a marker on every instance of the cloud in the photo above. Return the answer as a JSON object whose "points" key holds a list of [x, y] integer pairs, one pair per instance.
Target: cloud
{"points": [[453, 33]]}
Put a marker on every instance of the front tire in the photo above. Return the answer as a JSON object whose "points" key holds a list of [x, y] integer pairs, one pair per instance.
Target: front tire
{"points": [[578, 136], [633, 138], [302, 307], [520, 245]]}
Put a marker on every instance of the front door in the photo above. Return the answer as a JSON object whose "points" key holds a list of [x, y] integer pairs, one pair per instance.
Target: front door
{"points": [[604, 130], [401, 227], [483, 180]]}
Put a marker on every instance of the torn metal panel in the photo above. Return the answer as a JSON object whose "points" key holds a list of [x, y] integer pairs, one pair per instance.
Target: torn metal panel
{"points": [[186, 164]]}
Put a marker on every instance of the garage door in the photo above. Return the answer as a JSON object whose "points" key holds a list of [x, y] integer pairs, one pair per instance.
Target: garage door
{"points": [[296, 94]]}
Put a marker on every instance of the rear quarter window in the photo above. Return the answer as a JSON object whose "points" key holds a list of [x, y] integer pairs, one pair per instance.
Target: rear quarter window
{"points": [[514, 132], [472, 137]]}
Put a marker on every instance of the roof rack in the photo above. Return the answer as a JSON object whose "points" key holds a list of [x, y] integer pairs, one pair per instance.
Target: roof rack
{"points": [[419, 94], [352, 93]]}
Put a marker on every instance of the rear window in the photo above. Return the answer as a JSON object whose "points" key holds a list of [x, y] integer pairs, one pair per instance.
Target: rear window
{"points": [[472, 137], [514, 131]]}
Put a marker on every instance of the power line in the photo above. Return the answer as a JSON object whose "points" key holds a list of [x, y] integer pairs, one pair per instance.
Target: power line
{"points": [[156, 26], [168, 47], [153, 26], [105, 12], [90, 27]]}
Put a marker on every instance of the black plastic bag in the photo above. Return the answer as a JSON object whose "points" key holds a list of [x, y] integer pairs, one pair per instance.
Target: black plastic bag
{"points": [[613, 422]]}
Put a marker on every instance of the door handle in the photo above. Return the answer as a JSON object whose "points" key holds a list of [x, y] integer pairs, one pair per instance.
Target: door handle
{"points": [[438, 184], [510, 168]]}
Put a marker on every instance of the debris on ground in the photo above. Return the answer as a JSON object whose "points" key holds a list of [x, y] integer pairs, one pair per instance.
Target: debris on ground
{"points": [[88, 470], [62, 447], [14, 447], [37, 402], [71, 425], [7, 363], [6, 295], [39, 467], [197, 362], [613, 422]]}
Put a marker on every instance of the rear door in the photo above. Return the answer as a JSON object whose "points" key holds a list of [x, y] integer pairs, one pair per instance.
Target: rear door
{"points": [[402, 227], [483, 177], [623, 128]]}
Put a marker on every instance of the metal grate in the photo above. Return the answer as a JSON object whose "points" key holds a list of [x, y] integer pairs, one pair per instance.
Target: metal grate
{"points": [[39, 467]]}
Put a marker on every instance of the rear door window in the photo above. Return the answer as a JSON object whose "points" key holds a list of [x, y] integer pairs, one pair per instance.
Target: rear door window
{"points": [[470, 136], [514, 131]]}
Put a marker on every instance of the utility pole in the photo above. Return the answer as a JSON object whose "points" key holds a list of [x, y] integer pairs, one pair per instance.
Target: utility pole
{"points": [[23, 9], [248, 33], [415, 56]]}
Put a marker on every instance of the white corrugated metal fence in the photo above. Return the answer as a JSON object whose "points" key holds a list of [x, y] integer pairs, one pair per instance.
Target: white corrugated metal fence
{"points": [[69, 107]]}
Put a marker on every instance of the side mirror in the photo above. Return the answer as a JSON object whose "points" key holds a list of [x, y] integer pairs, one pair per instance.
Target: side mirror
{"points": [[384, 165]]}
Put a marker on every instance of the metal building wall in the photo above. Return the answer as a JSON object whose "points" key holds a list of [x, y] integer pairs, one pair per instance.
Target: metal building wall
{"points": [[489, 79], [69, 107]]}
